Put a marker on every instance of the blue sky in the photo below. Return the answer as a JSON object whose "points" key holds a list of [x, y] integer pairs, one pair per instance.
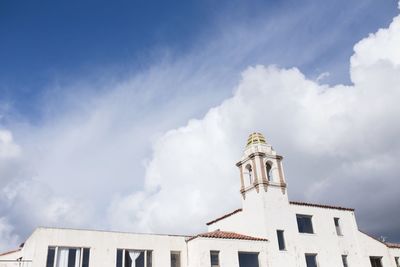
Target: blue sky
{"points": [[98, 99], [61, 42]]}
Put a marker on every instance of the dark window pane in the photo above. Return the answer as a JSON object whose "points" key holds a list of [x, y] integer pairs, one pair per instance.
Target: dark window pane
{"points": [[119, 257], [50, 257], [344, 260], [375, 261], [311, 260], [128, 261], [396, 259], [304, 224], [337, 226], [71, 257], [248, 259], [149, 258], [85, 257], [281, 240], [214, 256], [139, 262], [175, 259]]}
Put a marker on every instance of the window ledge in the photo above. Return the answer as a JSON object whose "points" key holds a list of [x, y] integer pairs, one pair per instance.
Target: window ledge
{"points": [[309, 234]]}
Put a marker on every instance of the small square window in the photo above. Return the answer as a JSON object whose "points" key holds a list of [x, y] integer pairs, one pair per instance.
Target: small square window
{"points": [[311, 260], [214, 257], [304, 223], [281, 239], [337, 226], [344, 261]]}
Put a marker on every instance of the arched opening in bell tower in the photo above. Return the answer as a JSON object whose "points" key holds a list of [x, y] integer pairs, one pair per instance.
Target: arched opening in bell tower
{"points": [[268, 167], [249, 173]]}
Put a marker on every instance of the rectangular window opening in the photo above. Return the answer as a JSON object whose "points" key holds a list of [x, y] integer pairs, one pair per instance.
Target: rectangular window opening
{"points": [[67, 257], [344, 261], [396, 259], [311, 260], [375, 261], [175, 259], [214, 257], [304, 223], [337, 226], [248, 259], [131, 257], [281, 239]]}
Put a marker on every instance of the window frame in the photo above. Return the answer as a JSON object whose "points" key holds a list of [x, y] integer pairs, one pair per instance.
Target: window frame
{"points": [[376, 258], [281, 239], [145, 256], [315, 255], [257, 254], [338, 227], [55, 256], [305, 216], [176, 252], [214, 252]]}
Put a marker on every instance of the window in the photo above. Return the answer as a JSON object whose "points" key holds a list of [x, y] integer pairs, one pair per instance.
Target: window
{"points": [[376, 261], [175, 259], [67, 257], [311, 260], [396, 259], [337, 226], [344, 261], [249, 174], [214, 257], [281, 239], [137, 258], [248, 259], [268, 167], [304, 223]]}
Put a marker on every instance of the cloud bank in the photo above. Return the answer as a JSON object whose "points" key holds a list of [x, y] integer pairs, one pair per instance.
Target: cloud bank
{"points": [[341, 144]]}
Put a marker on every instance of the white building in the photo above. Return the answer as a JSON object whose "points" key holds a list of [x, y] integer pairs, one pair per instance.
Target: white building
{"points": [[269, 230]]}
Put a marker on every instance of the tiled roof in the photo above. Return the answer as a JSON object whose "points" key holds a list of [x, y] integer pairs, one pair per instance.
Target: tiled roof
{"points": [[227, 235], [319, 206], [393, 245], [224, 216]]}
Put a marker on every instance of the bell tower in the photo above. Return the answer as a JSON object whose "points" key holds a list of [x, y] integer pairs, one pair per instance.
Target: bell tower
{"points": [[260, 167]]}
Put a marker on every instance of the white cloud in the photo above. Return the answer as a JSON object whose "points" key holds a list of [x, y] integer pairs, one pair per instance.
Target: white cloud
{"points": [[8, 149], [339, 141], [7, 236]]}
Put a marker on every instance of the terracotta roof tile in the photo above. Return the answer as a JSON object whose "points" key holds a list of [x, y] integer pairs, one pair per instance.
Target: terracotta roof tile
{"points": [[227, 235], [319, 206], [224, 216], [393, 245]]}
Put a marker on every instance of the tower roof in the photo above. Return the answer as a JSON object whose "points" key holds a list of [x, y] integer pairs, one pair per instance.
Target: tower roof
{"points": [[255, 138]]}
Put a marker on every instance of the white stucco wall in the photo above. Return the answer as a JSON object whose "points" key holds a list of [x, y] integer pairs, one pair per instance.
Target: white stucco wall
{"points": [[199, 251], [103, 245]]}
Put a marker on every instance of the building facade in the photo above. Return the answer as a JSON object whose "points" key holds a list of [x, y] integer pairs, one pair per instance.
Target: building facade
{"points": [[268, 231]]}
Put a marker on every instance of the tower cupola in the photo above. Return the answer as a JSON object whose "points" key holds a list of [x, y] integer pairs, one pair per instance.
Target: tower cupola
{"points": [[260, 167]]}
